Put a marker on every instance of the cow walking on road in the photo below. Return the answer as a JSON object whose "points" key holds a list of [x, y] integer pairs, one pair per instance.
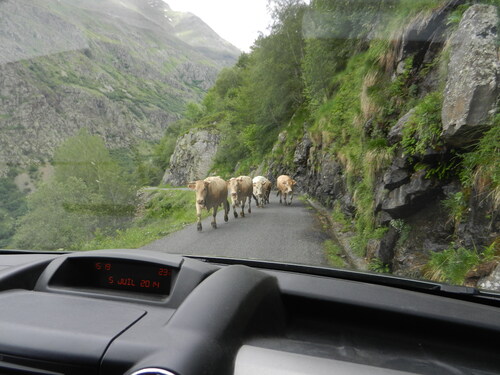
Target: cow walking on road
{"points": [[240, 188], [210, 193], [261, 190], [285, 186]]}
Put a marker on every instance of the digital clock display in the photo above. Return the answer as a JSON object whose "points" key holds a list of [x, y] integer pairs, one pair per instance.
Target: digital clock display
{"points": [[115, 274]]}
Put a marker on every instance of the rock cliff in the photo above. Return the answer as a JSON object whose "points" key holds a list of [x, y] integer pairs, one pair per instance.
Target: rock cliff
{"points": [[193, 157], [408, 193]]}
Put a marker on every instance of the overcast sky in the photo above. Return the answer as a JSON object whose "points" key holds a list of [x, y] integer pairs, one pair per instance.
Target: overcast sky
{"points": [[237, 21]]}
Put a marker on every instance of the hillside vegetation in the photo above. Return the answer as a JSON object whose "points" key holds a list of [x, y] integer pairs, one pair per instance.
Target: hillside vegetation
{"points": [[124, 70], [351, 99]]}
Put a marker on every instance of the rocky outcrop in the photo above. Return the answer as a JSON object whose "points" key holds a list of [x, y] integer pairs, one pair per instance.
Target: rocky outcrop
{"points": [[317, 172], [424, 37], [492, 281], [471, 92], [396, 133], [407, 198], [193, 157], [409, 194]]}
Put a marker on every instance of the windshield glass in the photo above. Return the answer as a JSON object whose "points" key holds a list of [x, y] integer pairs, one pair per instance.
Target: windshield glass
{"points": [[358, 134]]}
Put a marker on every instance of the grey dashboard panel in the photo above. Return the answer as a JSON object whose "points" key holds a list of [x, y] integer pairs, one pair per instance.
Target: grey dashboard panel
{"points": [[58, 328], [284, 322], [253, 360]]}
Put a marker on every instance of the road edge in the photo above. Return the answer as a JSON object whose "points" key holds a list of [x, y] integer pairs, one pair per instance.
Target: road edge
{"points": [[356, 262]]}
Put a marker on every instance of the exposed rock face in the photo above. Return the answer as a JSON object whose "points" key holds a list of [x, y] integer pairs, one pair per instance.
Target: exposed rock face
{"points": [[410, 197], [491, 282], [122, 69], [396, 133], [424, 36], [317, 173], [427, 230], [471, 92], [193, 157], [383, 249]]}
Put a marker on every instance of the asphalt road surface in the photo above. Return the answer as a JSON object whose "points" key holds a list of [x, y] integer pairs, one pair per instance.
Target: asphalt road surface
{"points": [[291, 234]]}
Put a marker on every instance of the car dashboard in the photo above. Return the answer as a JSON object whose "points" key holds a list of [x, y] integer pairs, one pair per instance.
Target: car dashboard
{"points": [[139, 312]]}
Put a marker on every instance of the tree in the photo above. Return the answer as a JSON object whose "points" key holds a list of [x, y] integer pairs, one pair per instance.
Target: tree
{"points": [[86, 158], [60, 215], [88, 193], [12, 206]]}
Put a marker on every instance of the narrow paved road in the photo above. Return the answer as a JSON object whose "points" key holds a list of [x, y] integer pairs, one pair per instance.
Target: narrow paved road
{"points": [[283, 233]]}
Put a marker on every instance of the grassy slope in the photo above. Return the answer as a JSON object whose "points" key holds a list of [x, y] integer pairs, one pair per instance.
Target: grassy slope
{"points": [[164, 212]]}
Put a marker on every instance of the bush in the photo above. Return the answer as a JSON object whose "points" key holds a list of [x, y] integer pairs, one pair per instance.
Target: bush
{"points": [[423, 129], [59, 215], [452, 264]]}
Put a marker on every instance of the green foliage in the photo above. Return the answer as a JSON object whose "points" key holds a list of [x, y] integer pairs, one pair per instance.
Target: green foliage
{"points": [[378, 266], [451, 265], [400, 87], [339, 217], [481, 166], [164, 213], [456, 16], [423, 129], [334, 31], [456, 205], [402, 228], [89, 191], [12, 206], [334, 254], [59, 215]]}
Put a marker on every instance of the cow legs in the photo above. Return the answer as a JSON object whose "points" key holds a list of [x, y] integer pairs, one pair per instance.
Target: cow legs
{"points": [[256, 200], [291, 197], [284, 195], [279, 193], [250, 204], [242, 203], [198, 216], [226, 210], [234, 211], [214, 224]]}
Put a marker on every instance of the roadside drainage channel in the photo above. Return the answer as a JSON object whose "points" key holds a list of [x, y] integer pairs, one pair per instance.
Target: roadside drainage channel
{"points": [[352, 259]]}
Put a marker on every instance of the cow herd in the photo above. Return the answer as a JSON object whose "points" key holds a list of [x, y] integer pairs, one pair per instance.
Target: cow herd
{"points": [[212, 192]]}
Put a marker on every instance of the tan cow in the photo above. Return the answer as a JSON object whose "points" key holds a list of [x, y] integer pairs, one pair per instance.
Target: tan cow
{"points": [[285, 186], [240, 188], [261, 190], [210, 193]]}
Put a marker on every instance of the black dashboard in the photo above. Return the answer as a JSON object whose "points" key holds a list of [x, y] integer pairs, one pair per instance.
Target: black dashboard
{"points": [[139, 312]]}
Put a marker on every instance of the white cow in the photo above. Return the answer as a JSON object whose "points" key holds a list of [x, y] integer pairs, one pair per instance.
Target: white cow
{"points": [[261, 190]]}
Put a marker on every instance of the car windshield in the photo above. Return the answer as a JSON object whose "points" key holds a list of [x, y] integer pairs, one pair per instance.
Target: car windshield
{"points": [[351, 134]]}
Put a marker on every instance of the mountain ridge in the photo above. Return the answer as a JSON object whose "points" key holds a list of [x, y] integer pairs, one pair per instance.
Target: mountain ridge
{"points": [[115, 67]]}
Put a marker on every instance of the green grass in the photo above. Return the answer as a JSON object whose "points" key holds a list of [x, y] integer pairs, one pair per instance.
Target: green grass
{"points": [[166, 212], [481, 166], [333, 253], [453, 264], [376, 265], [424, 127]]}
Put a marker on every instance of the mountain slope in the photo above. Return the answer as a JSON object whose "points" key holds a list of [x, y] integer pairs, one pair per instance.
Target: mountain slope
{"points": [[116, 67]]}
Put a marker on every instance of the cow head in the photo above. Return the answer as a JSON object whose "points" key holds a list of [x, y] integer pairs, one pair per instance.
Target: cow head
{"points": [[201, 189], [289, 186], [234, 188]]}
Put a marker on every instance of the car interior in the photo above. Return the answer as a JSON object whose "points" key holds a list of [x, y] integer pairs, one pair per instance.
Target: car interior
{"points": [[144, 312]]}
